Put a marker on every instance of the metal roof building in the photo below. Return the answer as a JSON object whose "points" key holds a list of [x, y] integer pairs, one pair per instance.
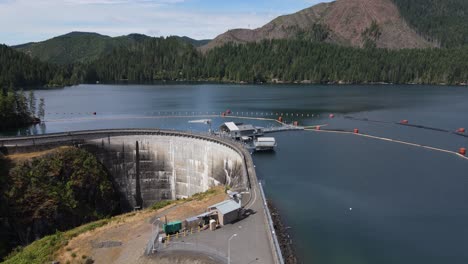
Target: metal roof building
{"points": [[228, 211], [240, 130]]}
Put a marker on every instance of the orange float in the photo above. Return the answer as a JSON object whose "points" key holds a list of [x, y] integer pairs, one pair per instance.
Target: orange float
{"points": [[462, 151]]}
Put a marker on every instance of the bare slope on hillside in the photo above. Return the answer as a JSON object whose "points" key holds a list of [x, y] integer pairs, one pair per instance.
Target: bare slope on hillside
{"points": [[345, 19]]}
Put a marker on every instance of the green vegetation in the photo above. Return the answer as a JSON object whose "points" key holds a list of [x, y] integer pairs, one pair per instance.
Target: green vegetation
{"points": [[318, 33], [162, 204], [82, 47], [443, 21], [57, 191], [17, 110], [43, 250], [285, 60], [371, 35], [20, 70], [194, 42], [303, 59], [154, 59], [77, 47], [203, 195], [195, 197], [4, 230]]}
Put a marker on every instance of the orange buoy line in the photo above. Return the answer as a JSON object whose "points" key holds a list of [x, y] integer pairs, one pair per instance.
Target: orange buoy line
{"points": [[461, 153], [161, 117]]}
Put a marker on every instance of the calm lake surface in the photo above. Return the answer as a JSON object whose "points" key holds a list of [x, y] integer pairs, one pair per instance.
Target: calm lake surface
{"points": [[409, 205]]}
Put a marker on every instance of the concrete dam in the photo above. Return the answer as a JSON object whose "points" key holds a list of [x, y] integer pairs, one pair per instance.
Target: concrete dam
{"points": [[150, 166]]}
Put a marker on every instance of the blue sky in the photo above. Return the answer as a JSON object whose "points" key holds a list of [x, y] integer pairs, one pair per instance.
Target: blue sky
{"points": [[24, 21]]}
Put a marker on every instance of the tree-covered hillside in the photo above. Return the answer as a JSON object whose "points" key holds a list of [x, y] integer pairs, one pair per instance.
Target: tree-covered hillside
{"points": [[292, 60], [284, 60], [154, 59], [445, 21], [53, 192], [77, 47], [20, 70], [81, 47]]}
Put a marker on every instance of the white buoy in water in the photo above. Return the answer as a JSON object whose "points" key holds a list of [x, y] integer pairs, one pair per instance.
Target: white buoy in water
{"points": [[350, 209]]}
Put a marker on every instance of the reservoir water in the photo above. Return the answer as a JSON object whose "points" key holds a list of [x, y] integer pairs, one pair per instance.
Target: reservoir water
{"points": [[347, 199]]}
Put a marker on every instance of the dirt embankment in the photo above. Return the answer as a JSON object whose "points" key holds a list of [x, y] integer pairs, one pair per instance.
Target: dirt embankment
{"points": [[20, 157]]}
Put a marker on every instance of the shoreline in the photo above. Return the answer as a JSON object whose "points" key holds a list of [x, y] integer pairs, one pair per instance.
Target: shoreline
{"points": [[284, 239], [297, 82]]}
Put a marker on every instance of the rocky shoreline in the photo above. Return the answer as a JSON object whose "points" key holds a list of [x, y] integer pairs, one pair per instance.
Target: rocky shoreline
{"points": [[284, 239]]}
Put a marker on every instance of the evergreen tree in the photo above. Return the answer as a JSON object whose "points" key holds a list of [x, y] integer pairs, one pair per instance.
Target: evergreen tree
{"points": [[41, 109], [32, 103]]}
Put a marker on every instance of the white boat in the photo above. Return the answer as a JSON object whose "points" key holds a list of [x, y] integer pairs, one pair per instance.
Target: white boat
{"points": [[265, 144]]}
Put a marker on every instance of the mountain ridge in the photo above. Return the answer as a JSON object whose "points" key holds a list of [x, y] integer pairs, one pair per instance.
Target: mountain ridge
{"points": [[80, 47], [345, 20]]}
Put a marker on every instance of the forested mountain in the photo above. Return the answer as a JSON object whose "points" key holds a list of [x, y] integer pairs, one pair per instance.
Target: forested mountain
{"points": [[287, 60], [194, 42], [81, 47], [280, 60], [444, 21], [343, 22], [20, 70], [153, 59], [77, 47], [294, 48]]}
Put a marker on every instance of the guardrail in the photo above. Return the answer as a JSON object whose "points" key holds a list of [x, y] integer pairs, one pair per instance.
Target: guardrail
{"points": [[273, 237]]}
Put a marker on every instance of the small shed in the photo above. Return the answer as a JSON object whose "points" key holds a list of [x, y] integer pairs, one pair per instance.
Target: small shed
{"points": [[228, 211], [239, 130]]}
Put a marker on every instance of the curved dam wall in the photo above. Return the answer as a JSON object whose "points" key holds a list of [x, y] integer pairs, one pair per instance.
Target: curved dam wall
{"points": [[148, 166], [151, 168]]}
